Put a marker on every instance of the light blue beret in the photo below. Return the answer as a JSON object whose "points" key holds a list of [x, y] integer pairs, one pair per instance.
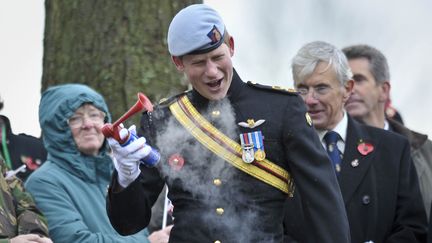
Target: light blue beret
{"points": [[195, 29]]}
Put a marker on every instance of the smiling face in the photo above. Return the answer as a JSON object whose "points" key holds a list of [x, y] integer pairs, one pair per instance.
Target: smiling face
{"points": [[86, 124], [210, 73], [324, 96]]}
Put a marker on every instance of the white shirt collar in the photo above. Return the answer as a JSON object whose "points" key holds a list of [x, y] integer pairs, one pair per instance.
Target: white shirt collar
{"points": [[386, 125], [341, 128]]}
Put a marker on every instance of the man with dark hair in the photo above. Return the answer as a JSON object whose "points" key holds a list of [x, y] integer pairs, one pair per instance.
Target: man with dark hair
{"points": [[368, 103]]}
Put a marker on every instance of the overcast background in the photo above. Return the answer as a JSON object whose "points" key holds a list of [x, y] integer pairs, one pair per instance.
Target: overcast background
{"points": [[267, 35]]}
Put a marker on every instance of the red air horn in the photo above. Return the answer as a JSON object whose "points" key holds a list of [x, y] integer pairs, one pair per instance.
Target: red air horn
{"points": [[112, 130]]}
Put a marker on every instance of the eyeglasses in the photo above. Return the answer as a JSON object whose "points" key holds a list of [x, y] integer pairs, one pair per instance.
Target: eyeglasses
{"points": [[317, 91], [96, 117]]}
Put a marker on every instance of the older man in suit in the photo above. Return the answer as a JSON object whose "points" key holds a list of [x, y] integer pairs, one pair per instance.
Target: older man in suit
{"points": [[376, 176]]}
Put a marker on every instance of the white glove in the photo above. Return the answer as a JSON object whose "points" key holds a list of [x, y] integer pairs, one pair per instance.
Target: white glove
{"points": [[126, 159]]}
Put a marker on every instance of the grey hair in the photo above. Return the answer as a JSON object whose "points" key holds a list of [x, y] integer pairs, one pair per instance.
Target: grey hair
{"points": [[311, 54], [378, 63]]}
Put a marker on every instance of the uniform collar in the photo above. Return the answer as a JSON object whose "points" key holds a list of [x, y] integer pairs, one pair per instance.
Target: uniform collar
{"points": [[236, 85]]}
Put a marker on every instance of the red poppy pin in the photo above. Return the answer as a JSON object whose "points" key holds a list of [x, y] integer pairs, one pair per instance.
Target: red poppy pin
{"points": [[31, 164], [365, 148], [176, 161]]}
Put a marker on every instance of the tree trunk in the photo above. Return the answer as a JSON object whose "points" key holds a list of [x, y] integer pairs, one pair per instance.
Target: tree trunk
{"points": [[116, 47]]}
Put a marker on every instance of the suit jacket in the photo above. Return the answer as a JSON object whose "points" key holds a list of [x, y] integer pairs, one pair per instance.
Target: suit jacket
{"points": [[380, 187]]}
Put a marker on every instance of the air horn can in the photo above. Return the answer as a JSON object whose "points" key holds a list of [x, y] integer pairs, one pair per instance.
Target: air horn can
{"points": [[112, 130]]}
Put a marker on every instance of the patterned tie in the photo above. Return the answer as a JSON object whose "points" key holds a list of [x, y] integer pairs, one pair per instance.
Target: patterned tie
{"points": [[331, 138]]}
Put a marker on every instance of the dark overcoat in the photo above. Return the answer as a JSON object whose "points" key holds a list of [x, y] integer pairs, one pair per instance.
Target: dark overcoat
{"points": [[380, 189]]}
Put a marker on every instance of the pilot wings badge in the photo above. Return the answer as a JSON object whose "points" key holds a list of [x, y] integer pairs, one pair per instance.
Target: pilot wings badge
{"points": [[251, 123]]}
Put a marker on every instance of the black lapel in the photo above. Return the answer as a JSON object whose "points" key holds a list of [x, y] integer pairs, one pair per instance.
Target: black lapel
{"points": [[354, 165]]}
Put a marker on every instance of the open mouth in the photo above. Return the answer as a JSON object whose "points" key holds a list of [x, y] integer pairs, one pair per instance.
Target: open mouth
{"points": [[215, 84]]}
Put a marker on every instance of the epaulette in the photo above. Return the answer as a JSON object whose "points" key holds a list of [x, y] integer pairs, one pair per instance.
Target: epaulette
{"points": [[280, 89], [167, 101]]}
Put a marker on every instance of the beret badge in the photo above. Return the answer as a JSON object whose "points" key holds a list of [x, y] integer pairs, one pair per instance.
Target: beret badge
{"points": [[214, 35]]}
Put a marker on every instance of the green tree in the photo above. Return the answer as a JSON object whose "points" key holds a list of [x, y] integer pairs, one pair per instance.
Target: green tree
{"points": [[117, 47]]}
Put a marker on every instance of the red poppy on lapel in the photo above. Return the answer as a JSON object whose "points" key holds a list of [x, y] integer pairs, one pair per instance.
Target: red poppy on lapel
{"points": [[365, 148], [176, 161]]}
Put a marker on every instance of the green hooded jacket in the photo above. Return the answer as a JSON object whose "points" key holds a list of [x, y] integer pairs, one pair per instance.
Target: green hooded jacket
{"points": [[70, 187]]}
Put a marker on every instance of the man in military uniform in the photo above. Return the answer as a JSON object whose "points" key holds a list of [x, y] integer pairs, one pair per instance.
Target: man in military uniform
{"points": [[22, 153], [377, 178], [232, 153], [20, 220]]}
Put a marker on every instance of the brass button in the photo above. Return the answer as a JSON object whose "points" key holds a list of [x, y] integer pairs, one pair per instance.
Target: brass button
{"points": [[219, 211], [217, 182], [215, 113]]}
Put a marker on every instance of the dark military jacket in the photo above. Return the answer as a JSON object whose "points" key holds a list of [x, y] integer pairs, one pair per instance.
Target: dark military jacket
{"points": [[22, 149], [18, 213], [215, 202]]}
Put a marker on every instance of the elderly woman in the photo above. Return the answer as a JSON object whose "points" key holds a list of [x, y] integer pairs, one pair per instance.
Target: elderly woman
{"points": [[71, 186]]}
